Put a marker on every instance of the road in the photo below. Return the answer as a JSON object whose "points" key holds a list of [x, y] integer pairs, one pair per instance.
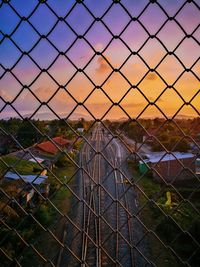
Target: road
{"points": [[106, 229]]}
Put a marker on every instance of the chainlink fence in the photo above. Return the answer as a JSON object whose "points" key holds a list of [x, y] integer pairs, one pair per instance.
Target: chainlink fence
{"points": [[100, 161]]}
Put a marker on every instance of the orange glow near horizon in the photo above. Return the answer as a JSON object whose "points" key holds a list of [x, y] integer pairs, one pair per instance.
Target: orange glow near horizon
{"points": [[134, 87]]}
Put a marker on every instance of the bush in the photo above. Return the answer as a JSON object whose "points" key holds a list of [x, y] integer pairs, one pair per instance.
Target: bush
{"points": [[43, 215], [62, 161]]}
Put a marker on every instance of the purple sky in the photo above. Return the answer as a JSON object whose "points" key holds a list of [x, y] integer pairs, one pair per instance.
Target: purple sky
{"points": [[62, 36]]}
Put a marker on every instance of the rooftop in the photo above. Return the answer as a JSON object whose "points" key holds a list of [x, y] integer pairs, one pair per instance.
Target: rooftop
{"points": [[33, 179], [163, 156], [52, 148]]}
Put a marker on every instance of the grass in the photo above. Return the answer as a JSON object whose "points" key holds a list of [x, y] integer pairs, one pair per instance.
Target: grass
{"points": [[43, 241], [168, 223], [20, 165], [61, 198]]}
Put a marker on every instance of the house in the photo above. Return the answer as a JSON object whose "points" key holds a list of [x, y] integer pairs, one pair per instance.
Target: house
{"points": [[25, 187], [36, 160], [54, 146], [178, 166], [30, 179]]}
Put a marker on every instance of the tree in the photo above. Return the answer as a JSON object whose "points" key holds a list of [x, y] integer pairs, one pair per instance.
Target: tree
{"points": [[27, 134]]}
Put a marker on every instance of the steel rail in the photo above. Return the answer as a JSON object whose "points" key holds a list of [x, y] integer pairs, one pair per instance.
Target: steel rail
{"points": [[87, 226], [121, 210]]}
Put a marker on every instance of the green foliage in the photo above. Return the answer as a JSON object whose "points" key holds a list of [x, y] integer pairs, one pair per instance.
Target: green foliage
{"points": [[27, 134], [20, 165], [62, 160], [44, 215], [171, 143], [175, 225], [133, 130]]}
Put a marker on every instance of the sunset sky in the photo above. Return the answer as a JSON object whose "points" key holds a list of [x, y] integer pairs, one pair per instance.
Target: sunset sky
{"points": [[59, 37]]}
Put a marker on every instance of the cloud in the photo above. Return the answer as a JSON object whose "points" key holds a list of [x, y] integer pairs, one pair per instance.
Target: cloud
{"points": [[103, 65], [99, 47], [5, 95], [152, 99], [133, 105], [151, 77]]}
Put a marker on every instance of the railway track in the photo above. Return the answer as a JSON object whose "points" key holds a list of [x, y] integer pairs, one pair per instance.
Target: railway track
{"points": [[124, 242], [106, 220], [91, 243]]}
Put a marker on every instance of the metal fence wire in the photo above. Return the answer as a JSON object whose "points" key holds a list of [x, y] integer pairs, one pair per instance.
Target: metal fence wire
{"points": [[99, 165]]}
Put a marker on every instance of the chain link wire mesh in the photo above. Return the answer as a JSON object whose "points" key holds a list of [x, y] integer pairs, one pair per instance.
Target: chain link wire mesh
{"points": [[97, 208]]}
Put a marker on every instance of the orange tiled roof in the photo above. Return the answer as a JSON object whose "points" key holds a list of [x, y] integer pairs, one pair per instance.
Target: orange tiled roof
{"points": [[60, 141], [49, 147]]}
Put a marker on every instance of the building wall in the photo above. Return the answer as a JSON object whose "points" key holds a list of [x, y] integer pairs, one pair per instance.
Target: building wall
{"points": [[170, 170]]}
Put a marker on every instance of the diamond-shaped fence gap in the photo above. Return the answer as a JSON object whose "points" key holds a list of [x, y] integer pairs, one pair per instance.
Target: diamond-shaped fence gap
{"points": [[185, 81], [9, 48], [44, 54], [115, 113], [169, 102], [25, 36], [188, 12], [172, 8], [7, 110], [80, 112], [97, 12], [116, 87], [9, 87], [134, 69], [61, 8], [43, 11], [62, 70], [79, 12], [151, 110], [116, 25], [62, 103], [152, 22], [28, 68], [62, 36], [182, 52], [186, 109], [133, 103], [152, 87], [9, 19], [98, 109], [27, 7], [134, 36], [100, 41], [135, 9], [43, 87], [170, 69], [80, 53], [152, 52], [99, 69], [111, 52], [80, 86], [167, 38], [43, 113]]}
